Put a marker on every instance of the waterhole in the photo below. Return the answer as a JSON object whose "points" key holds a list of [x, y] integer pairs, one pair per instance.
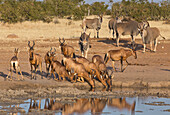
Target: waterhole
{"points": [[91, 106]]}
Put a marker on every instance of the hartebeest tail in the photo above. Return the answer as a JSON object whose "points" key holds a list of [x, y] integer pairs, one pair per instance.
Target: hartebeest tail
{"points": [[106, 58], [35, 60], [14, 64]]}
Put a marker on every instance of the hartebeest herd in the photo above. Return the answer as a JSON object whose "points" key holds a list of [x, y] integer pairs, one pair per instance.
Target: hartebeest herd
{"points": [[78, 68]]}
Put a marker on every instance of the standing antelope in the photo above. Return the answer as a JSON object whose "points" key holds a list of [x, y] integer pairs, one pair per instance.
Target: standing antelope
{"points": [[35, 60], [78, 69], [89, 66], [47, 59], [66, 50], [149, 35], [94, 24], [14, 64], [84, 44], [121, 54]]}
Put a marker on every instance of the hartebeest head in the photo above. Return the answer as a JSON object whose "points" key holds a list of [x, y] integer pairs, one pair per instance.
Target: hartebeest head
{"points": [[16, 52], [52, 54], [31, 50], [62, 42]]}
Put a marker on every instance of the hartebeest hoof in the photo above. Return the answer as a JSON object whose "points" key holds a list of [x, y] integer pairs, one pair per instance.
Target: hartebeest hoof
{"points": [[73, 81], [56, 79]]}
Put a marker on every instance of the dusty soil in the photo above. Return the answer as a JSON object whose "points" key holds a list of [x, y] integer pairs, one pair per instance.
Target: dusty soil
{"points": [[149, 70]]}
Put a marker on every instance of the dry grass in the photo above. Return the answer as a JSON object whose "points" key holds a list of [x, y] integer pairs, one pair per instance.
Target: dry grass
{"points": [[65, 28]]}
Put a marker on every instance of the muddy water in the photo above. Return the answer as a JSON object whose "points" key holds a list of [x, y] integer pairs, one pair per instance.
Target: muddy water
{"points": [[88, 106]]}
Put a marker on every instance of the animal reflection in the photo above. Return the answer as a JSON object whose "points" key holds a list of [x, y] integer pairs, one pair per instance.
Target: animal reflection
{"points": [[83, 105]]}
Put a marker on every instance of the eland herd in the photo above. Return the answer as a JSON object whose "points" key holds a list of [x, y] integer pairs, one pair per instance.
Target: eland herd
{"points": [[76, 68]]}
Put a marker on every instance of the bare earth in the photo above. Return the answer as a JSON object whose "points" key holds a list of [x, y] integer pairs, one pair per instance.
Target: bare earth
{"points": [[149, 70]]}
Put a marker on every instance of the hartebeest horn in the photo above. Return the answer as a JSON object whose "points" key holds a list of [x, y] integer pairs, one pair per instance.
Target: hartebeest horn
{"points": [[29, 43], [63, 40], [33, 44], [59, 39], [54, 50]]}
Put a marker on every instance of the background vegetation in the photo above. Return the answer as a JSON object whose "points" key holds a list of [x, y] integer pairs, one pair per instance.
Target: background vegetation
{"points": [[12, 11]]}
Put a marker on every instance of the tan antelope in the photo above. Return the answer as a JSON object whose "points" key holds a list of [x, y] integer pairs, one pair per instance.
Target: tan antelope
{"points": [[121, 54], [35, 60], [14, 65], [149, 35], [89, 66], [66, 50], [99, 62], [47, 60], [79, 70], [57, 67], [101, 66], [94, 24]]}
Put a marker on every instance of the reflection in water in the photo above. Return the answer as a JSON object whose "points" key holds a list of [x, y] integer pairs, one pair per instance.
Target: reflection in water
{"points": [[91, 106], [81, 106]]}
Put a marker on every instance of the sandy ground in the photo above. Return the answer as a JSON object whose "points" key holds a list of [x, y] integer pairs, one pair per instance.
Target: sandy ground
{"points": [[148, 70]]}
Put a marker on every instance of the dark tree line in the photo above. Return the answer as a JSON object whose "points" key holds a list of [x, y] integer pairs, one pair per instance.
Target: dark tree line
{"points": [[12, 11]]}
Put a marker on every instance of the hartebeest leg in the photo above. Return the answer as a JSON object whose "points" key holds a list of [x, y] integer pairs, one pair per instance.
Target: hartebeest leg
{"points": [[35, 72], [17, 72], [41, 70], [31, 71], [121, 61], [126, 65], [85, 54], [155, 45], [82, 53], [113, 63], [47, 69], [11, 73], [55, 76], [144, 47], [151, 45], [20, 72]]}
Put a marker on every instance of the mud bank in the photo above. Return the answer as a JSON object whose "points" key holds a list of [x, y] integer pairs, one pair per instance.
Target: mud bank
{"points": [[20, 92]]}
